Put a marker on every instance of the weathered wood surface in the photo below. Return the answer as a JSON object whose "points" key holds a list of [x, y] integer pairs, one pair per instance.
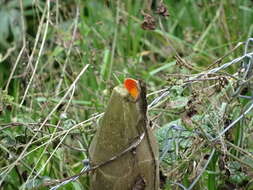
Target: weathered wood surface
{"points": [[118, 128]]}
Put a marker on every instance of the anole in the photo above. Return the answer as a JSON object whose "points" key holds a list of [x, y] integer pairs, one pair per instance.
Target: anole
{"points": [[138, 90]]}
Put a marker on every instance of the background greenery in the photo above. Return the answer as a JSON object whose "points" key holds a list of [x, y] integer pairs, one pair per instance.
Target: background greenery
{"points": [[48, 119]]}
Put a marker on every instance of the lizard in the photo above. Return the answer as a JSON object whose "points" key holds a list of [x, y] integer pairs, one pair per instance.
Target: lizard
{"points": [[140, 96]]}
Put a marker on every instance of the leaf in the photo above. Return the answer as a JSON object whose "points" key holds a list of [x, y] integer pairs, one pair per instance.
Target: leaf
{"points": [[105, 65], [15, 25], [4, 29]]}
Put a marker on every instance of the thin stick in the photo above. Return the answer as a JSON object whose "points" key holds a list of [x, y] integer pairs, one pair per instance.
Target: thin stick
{"points": [[14, 67], [41, 48], [202, 171], [23, 47], [233, 123], [58, 88]]}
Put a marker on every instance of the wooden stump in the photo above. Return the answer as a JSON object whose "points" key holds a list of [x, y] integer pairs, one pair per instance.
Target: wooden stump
{"points": [[117, 130]]}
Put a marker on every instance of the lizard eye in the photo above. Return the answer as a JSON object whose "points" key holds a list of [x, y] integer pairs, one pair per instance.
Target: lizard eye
{"points": [[132, 87]]}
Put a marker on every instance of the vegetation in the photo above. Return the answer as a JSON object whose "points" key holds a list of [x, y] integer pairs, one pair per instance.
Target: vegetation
{"points": [[59, 61]]}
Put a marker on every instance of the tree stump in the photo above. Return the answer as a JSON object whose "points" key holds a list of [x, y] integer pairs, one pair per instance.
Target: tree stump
{"points": [[117, 130]]}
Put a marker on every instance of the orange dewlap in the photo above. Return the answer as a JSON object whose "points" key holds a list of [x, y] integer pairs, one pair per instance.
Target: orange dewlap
{"points": [[132, 87]]}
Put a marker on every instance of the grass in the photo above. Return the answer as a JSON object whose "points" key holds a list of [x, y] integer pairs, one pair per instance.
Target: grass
{"points": [[48, 108]]}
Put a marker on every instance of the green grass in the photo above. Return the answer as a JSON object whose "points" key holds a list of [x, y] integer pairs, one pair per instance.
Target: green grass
{"points": [[109, 38]]}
